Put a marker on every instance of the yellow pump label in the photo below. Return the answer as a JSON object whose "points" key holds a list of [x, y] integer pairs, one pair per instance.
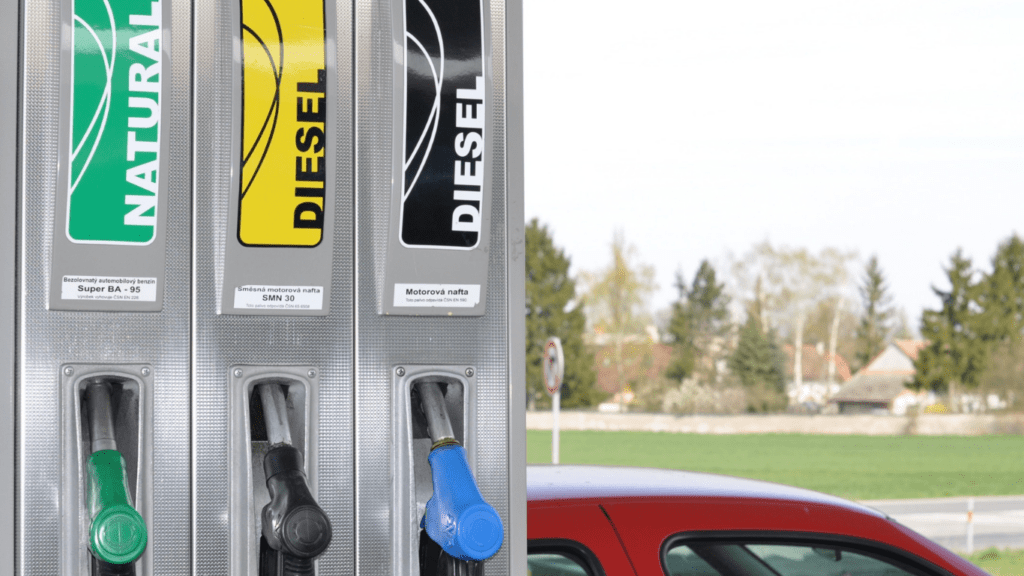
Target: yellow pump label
{"points": [[284, 108]]}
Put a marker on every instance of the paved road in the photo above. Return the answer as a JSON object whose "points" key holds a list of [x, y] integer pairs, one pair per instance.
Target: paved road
{"points": [[998, 520]]}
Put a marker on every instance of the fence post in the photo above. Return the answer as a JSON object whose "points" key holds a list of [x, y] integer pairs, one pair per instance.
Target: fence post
{"points": [[970, 525]]}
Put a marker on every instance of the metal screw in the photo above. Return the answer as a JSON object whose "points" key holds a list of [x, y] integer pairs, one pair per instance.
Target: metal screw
{"points": [[146, 371], [311, 373], [68, 371], [470, 372], [237, 372], [400, 371]]}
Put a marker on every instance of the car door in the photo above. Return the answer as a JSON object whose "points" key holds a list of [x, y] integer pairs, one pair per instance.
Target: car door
{"points": [[573, 539]]}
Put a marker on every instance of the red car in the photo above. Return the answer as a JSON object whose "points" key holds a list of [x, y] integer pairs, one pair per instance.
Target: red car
{"points": [[596, 520]]}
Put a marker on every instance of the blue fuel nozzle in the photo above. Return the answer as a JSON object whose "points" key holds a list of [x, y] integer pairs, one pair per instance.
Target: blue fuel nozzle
{"points": [[457, 517]]}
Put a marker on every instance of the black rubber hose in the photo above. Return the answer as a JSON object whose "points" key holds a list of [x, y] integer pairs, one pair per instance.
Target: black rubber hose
{"points": [[295, 566], [274, 563], [101, 568], [449, 566]]}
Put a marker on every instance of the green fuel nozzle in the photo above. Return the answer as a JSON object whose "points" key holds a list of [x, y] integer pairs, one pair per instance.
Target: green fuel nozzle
{"points": [[117, 533]]}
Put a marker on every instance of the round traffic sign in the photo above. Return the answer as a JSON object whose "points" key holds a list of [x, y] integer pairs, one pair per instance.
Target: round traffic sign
{"points": [[554, 365]]}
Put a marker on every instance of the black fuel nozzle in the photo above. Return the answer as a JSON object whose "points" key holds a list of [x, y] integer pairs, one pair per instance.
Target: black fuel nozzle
{"points": [[293, 522], [294, 525]]}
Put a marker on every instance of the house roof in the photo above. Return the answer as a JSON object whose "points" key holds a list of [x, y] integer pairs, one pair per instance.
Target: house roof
{"points": [[896, 358], [873, 387], [910, 347], [815, 364]]}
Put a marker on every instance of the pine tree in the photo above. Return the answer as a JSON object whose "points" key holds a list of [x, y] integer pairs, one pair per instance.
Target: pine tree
{"points": [[876, 323], [699, 317], [955, 354], [758, 364], [553, 310], [1001, 294], [1001, 322]]}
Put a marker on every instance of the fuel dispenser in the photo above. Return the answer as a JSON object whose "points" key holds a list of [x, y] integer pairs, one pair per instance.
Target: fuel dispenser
{"points": [[101, 265], [273, 372], [439, 288], [268, 288]]}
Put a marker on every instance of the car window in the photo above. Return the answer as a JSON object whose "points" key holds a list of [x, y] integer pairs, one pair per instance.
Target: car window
{"points": [[756, 559], [810, 561], [681, 561], [553, 564]]}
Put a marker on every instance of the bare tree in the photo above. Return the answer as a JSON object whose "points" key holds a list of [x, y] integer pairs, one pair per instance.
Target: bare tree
{"points": [[789, 283], [616, 299]]}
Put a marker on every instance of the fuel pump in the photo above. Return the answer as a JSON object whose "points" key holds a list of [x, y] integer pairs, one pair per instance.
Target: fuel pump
{"points": [[439, 285], [101, 396]]}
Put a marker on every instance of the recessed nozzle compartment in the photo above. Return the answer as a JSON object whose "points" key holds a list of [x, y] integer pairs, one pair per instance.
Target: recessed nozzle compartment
{"points": [[435, 451], [107, 479], [277, 527]]}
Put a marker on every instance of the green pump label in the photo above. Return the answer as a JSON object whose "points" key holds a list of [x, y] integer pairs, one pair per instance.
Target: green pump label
{"points": [[116, 98]]}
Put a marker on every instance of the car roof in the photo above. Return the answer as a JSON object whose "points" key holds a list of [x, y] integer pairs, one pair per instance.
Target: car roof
{"points": [[576, 482]]}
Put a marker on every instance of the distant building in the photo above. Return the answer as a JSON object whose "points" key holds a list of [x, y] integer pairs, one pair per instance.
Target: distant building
{"points": [[815, 389], [881, 385], [642, 360]]}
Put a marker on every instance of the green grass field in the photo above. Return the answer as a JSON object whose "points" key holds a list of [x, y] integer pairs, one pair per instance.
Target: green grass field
{"points": [[854, 467], [999, 562]]}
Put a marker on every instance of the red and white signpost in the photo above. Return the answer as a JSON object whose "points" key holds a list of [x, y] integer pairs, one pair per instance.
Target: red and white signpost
{"points": [[554, 370]]}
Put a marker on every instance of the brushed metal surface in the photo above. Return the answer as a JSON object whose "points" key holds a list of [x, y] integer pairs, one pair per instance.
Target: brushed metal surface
{"points": [[47, 339], [223, 341], [384, 342], [9, 39]]}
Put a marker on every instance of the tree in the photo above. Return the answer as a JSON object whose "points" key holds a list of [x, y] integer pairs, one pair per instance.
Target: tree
{"points": [[758, 364], [699, 318], [824, 325], [616, 301], [1001, 294], [1004, 371], [1001, 322], [792, 282], [552, 310], [875, 326], [955, 354]]}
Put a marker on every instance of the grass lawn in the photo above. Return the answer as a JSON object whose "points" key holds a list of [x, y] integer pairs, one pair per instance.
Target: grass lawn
{"points": [[855, 467], [999, 562]]}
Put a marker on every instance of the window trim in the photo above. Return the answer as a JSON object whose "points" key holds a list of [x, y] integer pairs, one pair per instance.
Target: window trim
{"points": [[571, 549], [872, 548]]}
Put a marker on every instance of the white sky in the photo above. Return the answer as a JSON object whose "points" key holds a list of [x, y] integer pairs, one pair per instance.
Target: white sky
{"points": [[702, 127]]}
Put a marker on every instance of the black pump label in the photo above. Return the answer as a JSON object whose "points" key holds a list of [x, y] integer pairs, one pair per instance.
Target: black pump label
{"points": [[444, 166]]}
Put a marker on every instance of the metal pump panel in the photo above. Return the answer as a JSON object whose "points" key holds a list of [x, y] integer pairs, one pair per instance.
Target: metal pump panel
{"points": [[102, 262]]}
